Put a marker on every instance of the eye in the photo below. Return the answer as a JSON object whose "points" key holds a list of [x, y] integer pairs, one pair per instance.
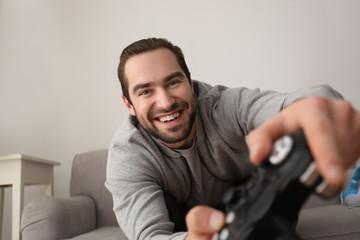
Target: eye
{"points": [[144, 92], [173, 83]]}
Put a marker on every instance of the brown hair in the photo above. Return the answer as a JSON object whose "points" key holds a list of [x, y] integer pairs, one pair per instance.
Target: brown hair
{"points": [[142, 46]]}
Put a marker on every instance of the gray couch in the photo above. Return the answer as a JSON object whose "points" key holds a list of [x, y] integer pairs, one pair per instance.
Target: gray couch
{"points": [[87, 214]]}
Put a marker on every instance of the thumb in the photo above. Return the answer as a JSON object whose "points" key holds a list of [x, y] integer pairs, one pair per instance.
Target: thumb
{"points": [[203, 222]]}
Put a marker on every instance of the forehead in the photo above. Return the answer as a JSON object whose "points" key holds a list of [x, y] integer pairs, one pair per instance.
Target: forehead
{"points": [[151, 66]]}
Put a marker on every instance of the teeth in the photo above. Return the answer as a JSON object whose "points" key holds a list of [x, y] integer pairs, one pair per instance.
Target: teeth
{"points": [[170, 117]]}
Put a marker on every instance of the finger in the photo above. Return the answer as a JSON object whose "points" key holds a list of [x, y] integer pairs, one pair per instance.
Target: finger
{"points": [[202, 222], [260, 139], [259, 144], [323, 142], [329, 162]]}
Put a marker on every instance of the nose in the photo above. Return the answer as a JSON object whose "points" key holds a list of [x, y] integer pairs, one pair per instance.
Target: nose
{"points": [[165, 100]]}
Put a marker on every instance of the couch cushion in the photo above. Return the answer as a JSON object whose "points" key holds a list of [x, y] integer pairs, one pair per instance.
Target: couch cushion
{"points": [[329, 222], [316, 201], [88, 178], [104, 233]]}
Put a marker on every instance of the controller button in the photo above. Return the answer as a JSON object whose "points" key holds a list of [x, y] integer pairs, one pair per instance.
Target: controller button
{"points": [[310, 176], [281, 149], [230, 196], [224, 234], [215, 236], [326, 190], [230, 217]]}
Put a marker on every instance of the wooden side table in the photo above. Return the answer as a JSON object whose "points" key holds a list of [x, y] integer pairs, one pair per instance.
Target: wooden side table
{"points": [[18, 170]]}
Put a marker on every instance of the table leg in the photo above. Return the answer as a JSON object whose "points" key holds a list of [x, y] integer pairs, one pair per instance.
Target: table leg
{"points": [[49, 187], [17, 201], [1, 210], [49, 190]]}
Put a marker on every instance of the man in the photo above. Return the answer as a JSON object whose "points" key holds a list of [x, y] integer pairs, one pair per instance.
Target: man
{"points": [[184, 141]]}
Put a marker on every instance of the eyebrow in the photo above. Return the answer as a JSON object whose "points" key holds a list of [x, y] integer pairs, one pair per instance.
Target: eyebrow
{"points": [[174, 75], [167, 79], [140, 86]]}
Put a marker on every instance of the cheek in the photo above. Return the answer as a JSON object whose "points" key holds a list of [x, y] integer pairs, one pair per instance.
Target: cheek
{"points": [[190, 97], [142, 109], [184, 94]]}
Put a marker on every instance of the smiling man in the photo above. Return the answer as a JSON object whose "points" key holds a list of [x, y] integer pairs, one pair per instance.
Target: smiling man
{"points": [[183, 143], [161, 97]]}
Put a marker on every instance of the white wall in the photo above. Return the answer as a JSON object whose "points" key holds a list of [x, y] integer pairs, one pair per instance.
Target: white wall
{"points": [[59, 93]]}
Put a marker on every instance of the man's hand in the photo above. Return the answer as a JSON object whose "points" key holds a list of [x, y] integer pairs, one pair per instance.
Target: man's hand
{"points": [[331, 127], [203, 222]]}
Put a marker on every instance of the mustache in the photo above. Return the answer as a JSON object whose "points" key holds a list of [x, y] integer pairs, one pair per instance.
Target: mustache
{"points": [[177, 105]]}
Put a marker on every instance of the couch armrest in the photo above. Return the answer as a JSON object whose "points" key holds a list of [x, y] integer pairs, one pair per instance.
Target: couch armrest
{"points": [[57, 218], [329, 222]]}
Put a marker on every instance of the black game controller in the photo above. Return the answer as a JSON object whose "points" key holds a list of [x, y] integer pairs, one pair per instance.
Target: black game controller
{"points": [[267, 206]]}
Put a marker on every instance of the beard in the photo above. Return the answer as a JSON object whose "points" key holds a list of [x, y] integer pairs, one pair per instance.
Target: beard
{"points": [[166, 138], [183, 131]]}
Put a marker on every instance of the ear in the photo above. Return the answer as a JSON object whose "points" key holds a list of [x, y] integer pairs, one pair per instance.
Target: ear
{"points": [[192, 84], [128, 105]]}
